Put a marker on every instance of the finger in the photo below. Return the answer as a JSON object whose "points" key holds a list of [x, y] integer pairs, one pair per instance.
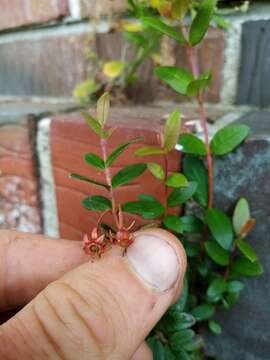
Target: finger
{"points": [[102, 310], [143, 353], [28, 263]]}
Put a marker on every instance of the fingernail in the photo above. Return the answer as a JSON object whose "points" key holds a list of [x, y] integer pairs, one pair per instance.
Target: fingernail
{"points": [[154, 260]]}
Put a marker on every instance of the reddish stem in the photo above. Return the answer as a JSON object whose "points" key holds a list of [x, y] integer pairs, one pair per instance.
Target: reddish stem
{"points": [[193, 61]]}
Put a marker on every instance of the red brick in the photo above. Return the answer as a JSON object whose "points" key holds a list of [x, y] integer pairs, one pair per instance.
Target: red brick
{"points": [[15, 13], [94, 9], [71, 139], [19, 204]]}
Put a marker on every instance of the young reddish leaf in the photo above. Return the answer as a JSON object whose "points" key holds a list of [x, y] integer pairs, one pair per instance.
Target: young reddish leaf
{"points": [[217, 253], [181, 195], [228, 138], [220, 226], [91, 181], [149, 150], [195, 170], [165, 29], [120, 149], [241, 215], [94, 160], [177, 79], [177, 180], [97, 203], [244, 267], [156, 170], [171, 131], [200, 24], [127, 174], [103, 107], [173, 222], [191, 144], [246, 250]]}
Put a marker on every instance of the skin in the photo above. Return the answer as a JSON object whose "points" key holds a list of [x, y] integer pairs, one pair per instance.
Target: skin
{"points": [[77, 309]]}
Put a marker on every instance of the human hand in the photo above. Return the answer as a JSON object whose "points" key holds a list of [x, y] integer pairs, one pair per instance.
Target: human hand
{"points": [[100, 310]]}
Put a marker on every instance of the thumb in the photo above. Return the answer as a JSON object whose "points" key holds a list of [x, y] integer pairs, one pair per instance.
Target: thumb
{"points": [[101, 310]]}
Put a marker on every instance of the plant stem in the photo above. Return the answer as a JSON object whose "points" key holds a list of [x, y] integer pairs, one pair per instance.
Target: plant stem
{"points": [[108, 176], [194, 66]]}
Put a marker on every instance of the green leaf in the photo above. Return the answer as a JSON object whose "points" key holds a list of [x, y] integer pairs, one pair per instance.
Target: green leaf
{"points": [[165, 29], [94, 160], [221, 22], [241, 215], [181, 302], [228, 138], [127, 174], [113, 69], [177, 79], [85, 89], [103, 108], [203, 312], [244, 267], [172, 131], [181, 195], [93, 123], [156, 170], [191, 224], [148, 207], [192, 248], [169, 354], [191, 144], [200, 84], [176, 180], [97, 203], [217, 253], [157, 348], [246, 250], [135, 38], [235, 286], [201, 22], [215, 327], [195, 170], [173, 222], [195, 344], [179, 338], [182, 320], [216, 288], [220, 226], [149, 150], [120, 149], [85, 178]]}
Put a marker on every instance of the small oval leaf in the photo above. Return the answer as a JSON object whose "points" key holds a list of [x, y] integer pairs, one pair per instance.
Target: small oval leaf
{"points": [[176, 180], [241, 215], [127, 174], [191, 144], [173, 222], [181, 195], [172, 130], [149, 150], [246, 250], [97, 203], [177, 79], [217, 253], [103, 107], [94, 160], [156, 170], [220, 226]]}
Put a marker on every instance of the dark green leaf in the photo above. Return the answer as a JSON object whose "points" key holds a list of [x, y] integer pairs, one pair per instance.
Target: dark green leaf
{"points": [[243, 267], [147, 206], [200, 24], [197, 85], [181, 195], [97, 203], [203, 312], [165, 29], [195, 344], [179, 338], [220, 226], [172, 131], [120, 149], [176, 78], [214, 327], [157, 348], [85, 178], [103, 107], [173, 222], [94, 160], [195, 170], [235, 286], [169, 354], [228, 138], [149, 150], [156, 170], [181, 302], [192, 248], [176, 180], [127, 174], [182, 321], [241, 215], [217, 253], [216, 288], [246, 250], [192, 144], [191, 224]]}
